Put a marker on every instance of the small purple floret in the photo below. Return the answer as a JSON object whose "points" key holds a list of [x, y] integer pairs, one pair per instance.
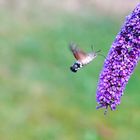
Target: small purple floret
{"points": [[120, 62]]}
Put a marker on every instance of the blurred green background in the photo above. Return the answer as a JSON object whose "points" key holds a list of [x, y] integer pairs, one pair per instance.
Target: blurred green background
{"points": [[40, 98]]}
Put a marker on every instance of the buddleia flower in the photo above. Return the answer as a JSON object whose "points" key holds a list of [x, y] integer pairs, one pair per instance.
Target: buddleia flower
{"points": [[120, 62]]}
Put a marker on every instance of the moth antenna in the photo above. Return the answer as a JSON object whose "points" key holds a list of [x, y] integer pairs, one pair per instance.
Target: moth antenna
{"points": [[97, 52], [102, 55], [92, 48]]}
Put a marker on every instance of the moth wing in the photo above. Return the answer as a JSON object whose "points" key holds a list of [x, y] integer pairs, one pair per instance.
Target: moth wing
{"points": [[78, 53]]}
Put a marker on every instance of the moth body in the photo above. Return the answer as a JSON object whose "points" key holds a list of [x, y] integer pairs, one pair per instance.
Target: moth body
{"points": [[76, 66], [81, 57], [88, 58]]}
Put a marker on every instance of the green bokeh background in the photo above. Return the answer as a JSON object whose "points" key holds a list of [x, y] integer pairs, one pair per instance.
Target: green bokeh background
{"points": [[40, 98]]}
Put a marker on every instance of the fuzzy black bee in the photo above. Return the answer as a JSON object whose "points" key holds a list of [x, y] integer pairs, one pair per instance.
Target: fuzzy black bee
{"points": [[81, 57]]}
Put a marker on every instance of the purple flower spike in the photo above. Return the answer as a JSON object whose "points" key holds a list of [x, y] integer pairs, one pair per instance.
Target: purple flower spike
{"points": [[120, 62]]}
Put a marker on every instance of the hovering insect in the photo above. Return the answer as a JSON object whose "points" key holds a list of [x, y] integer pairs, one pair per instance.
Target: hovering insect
{"points": [[81, 57]]}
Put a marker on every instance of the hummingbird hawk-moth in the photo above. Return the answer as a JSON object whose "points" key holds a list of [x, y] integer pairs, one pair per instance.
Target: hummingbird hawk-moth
{"points": [[82, 58]]}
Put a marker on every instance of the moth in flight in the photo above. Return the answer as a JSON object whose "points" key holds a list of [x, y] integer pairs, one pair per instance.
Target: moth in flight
{"points": [[82, 58]]}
